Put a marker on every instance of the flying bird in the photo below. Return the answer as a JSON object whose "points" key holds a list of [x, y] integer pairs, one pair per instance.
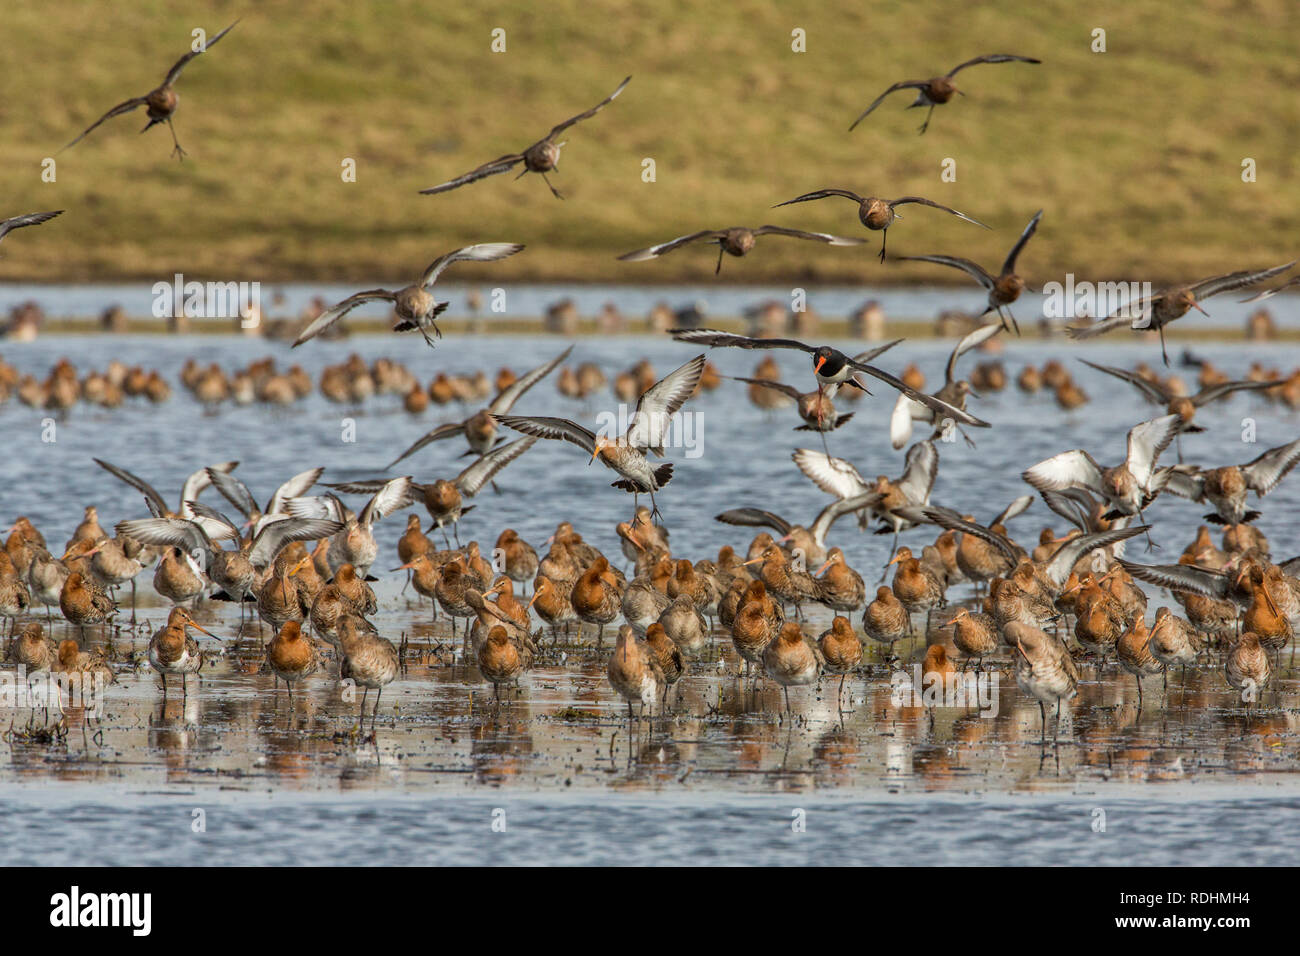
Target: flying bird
{"points": [[1159, 309], [542, 157], [161, 102], [647, 432], [1127, 487], [736, 241], [830, 367], [480, 429], [1005, 287], [939, 89], [875, 213], [415, 305]]}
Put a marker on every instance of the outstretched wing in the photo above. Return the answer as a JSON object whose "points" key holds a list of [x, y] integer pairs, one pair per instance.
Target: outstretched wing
{"points": [[502, 164], [712, 338], [781, 387], [30, 219], [554, 428], [1010, 264], [139, 484], [1152, 391], [1063, 559], [654, 252], [561, 127], [336, 312], [393, 495], [1216, 392], [940, 406], [1269, 293], [448, 430], [167, 532], [922, 465], [175, 71], [825, 237], [972, 269], [299, 484], [951, 521], [117, 110], [660, 402], [483, 252], [272, 538], [1235, 280], [969, 341], [822, 194], [1263, 474], [993, 58], [929, 202], [901, 85], [234, 491], [1146, 441], [1181, 577], [481, 472], [835, 476], [511, 393], [755, 518], [1070, 469]]}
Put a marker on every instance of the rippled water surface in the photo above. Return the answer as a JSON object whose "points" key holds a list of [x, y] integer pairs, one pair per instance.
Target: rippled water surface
{"points": [[718, 779]]}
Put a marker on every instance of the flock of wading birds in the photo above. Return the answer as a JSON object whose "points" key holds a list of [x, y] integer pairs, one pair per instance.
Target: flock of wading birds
{"points": [[1237, 602]]}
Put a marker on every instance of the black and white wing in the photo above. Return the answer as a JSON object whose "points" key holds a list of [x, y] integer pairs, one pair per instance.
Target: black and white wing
{"points": [[660, 402], [560, 429]]}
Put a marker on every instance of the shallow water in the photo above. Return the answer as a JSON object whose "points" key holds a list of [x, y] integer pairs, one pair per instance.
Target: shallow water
{"points": [[532, 299], [561, 750]]}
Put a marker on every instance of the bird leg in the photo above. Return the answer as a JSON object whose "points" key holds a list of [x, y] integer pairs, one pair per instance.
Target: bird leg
{"points": [[180, 153], [884, 237], [926, 124], [555, 192]]}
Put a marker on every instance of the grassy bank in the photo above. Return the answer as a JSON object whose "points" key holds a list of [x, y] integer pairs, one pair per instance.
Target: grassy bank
{"points": [[1135, 153]]}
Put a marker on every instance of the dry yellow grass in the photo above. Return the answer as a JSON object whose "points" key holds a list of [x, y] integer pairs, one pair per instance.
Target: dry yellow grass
{"points": [[1134, 153]]}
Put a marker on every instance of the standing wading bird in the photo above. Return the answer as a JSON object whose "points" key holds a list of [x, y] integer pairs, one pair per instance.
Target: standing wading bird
{"points": [[542, 157], [939, 89], [954, 392], [30, 219], [161, 102], [734, 241], [646, 432], [444, 499], [830, 367], [415, 305], [1005, 287], [875, 213], [1158, 310], [480, 429]]}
